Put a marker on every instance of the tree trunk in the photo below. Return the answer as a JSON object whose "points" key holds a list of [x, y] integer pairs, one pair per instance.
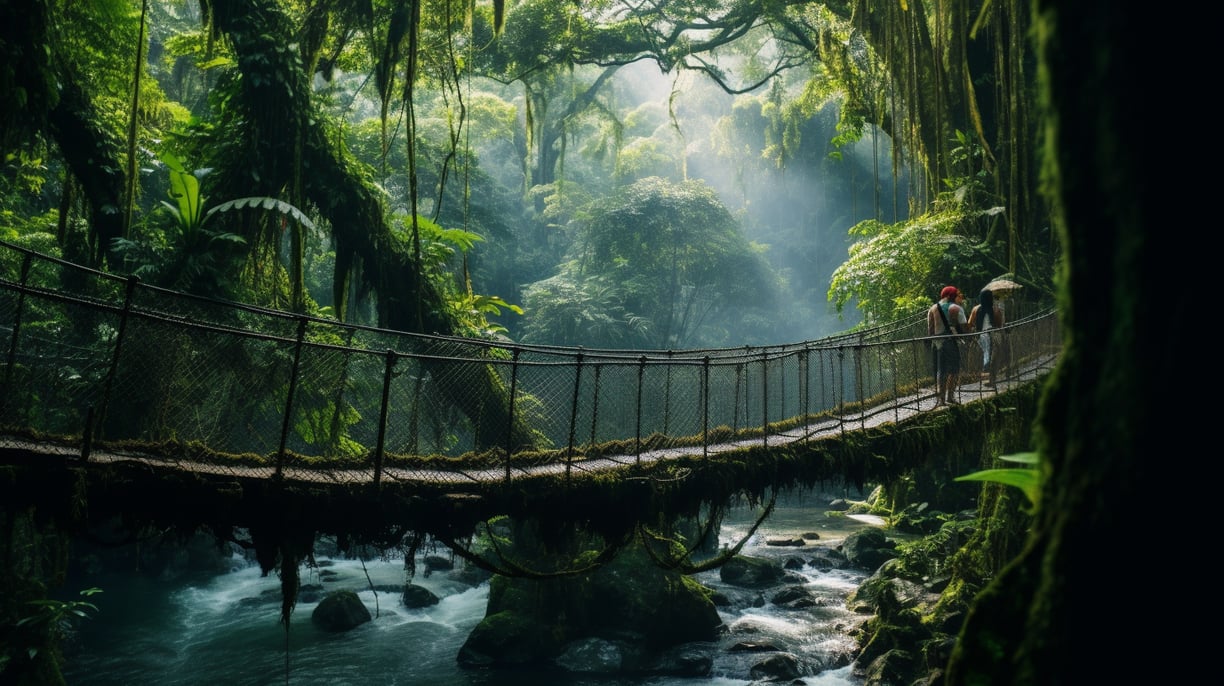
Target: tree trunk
{"points": [[285, 143], [93, 154], [1064, 611]]}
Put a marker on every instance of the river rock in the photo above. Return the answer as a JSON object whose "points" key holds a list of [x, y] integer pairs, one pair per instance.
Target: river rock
{"points": [[437, 563], [868, 549], [751, 572], [779, 667], [418, 596], [340, 611], [639, 608]]}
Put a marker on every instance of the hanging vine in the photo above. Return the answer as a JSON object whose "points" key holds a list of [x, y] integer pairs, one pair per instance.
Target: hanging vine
{"points": [[682, 562]]}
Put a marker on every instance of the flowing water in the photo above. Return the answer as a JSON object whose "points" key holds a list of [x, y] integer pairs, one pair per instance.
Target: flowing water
{"points": [[224, 628]]}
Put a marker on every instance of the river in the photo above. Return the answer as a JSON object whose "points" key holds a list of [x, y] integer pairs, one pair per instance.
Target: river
{"points": [[223, 628]]}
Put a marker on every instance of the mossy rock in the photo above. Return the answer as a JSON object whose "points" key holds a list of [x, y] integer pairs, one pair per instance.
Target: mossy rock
{"points": [[419, 596], [531, 621], [746, 571], [508, 639], [340, 611]]}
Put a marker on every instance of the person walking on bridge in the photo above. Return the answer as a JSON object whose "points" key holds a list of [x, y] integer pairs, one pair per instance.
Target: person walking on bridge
{"points": [[985, 316], [945, 318]]}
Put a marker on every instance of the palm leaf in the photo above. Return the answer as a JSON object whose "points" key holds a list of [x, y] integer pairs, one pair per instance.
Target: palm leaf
{"points": [[266, 203]]}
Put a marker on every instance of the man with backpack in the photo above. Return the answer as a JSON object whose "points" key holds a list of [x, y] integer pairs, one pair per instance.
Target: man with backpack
{"points": [[944, 319]]}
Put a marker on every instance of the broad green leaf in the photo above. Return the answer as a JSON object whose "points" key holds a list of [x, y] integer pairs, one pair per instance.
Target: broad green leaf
{"points": [[185, 190], [1027, 480]]}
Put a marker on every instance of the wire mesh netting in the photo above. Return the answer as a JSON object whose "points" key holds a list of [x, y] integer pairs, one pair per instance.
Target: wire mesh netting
{"points": [[99, 363]]}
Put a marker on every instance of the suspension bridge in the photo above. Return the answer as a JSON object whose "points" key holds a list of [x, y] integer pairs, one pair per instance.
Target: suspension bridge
{"points": [[171, 402]]}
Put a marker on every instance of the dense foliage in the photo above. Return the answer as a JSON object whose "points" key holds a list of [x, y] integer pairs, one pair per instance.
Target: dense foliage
{"points": [[652, 262], [517, 133]]}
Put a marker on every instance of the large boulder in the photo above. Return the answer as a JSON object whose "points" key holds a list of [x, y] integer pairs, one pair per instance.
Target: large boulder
{"points": [[621, 603], [751, 572], [778, 667], [868, 549], [437, 563], [507, 639], [340, 611], [419, 596]]}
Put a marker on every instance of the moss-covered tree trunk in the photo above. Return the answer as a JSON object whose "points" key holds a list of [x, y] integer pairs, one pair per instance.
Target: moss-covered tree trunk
{"points": [[42, 94], [1071, 607], [286, 149], [94, 156]]}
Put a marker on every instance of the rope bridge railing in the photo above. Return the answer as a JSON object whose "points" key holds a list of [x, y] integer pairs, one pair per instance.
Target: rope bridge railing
{"points": [[97, 362]]}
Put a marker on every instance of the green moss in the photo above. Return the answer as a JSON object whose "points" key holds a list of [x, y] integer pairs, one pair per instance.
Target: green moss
{"points": [[967, 554]]}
